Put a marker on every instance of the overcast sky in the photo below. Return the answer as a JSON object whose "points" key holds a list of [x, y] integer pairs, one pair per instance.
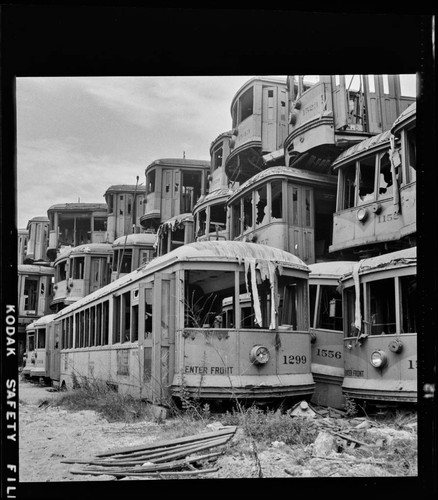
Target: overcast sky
{"points": [[78, 136]]}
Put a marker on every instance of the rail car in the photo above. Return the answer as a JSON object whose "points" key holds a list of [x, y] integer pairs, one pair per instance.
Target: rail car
{"points": [[79, 271], [159, 332], [287, 208], [376, 202], [380, 344], [326, 329], [38, 350], [173, 233], [130, 252], [259, 112], [37, 241], [173, 186], [328, 114]]}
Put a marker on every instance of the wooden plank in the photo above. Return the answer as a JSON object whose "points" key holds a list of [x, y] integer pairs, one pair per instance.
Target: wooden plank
{"points": [[187, 439], [147, 474]]}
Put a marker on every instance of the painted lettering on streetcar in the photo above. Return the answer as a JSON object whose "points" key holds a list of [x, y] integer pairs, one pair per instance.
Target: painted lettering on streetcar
{"points": [[212, 370], [387, 217], [412, 364], [354, 373], [298, 359], [327, 353]]}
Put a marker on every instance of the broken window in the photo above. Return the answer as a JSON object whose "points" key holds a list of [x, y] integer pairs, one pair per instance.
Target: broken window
{"points": [[367, 167], [126, 262], [126, 317], [277, 199], [350, 312], [385, 177], [190, 191], [247, 212], [261, 203], [235, 210], [61, 271]]}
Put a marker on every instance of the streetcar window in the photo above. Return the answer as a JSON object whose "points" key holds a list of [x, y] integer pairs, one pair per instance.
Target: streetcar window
{"points": [[41, 338], [408, 286], [31, 342], [261, 203], [116, 319], [307, 208], [329, 314], [105, 322], [217, 157], [218, 217], [366, 179], [148, 313], [190, 191], [134, 330], [277, 199], [350, 312], [246, 104], [92, 326], [30, 294], [235, 211], [99, 324], [78, 268], [110, 204], [87, 328], [411, 159], [150, 182], [288, 309], [126, 263], [61, 271], [385, 177], [146, 256], [348, 182], [312, 293], [99, 224], [382, 307], [247, 212], [126, 317], [202, 221]]}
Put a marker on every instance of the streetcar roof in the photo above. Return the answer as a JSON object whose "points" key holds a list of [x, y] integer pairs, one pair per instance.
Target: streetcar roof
{"points": [[79, 207], [137, 239], [291, 172], [43, 320], [333, 269], [363, 147], [406, 116], [208, 251], [405, 257], [34, 269]]}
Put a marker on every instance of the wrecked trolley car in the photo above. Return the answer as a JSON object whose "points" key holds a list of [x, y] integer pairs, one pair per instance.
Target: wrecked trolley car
{"points": [[160, 330], [380, 344]]}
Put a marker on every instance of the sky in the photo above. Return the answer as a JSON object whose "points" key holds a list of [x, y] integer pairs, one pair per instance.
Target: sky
{"points": [[76, 137]]}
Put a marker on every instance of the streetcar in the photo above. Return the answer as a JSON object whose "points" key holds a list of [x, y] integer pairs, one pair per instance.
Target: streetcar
{"points": [[380, 344], [159, 332], [326, 329]]}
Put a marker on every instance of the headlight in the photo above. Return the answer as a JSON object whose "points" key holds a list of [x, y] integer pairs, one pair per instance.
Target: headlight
{"points": [[259, 355], [362, 215], [378, 359]]}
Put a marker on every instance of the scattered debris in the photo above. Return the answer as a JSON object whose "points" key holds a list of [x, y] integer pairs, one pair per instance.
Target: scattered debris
{"points": [[302, 409], [324, 444], [173, 458]]}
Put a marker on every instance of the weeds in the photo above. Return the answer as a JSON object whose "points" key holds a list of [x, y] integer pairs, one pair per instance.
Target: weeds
{"points": [[98, 396]]}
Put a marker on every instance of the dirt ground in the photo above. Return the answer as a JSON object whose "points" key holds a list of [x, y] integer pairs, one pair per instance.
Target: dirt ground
{"points": [[49, 434]]}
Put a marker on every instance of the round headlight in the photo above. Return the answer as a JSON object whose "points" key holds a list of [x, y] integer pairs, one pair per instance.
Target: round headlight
{"points": [[259, 355], [362, 214], [378, 359]]}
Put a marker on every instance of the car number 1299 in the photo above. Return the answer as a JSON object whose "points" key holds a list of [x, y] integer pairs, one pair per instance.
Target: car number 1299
{"points": [[294, 360]]}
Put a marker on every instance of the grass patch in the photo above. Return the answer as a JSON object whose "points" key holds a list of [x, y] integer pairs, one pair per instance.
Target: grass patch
{"points": [[98, 396], [269, 425]]}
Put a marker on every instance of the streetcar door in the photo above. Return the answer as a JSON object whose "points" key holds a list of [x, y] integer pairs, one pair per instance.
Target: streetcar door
{"points": [[163, 336], [55, 351], [145, 310]]}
